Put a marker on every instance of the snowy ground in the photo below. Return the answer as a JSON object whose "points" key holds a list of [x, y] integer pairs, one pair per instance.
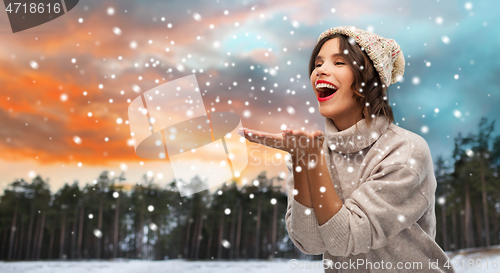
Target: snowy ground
{"points": [[135, 266], [477, 260], [469, 261]]}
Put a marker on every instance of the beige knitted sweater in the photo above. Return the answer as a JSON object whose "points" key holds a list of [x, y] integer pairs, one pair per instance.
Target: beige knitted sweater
{"points": [[384, 176]]}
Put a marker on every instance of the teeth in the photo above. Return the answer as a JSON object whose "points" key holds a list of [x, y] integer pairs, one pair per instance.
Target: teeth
{"points": [[320, 85]]}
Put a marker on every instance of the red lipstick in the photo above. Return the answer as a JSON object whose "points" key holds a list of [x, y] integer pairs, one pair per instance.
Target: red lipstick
{"points": [[323, 81], [318, 92]]}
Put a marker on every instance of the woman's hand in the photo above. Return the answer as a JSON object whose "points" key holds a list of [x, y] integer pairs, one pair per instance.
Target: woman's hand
{"points": [[306, 142], [277, 141], [295, 142]]}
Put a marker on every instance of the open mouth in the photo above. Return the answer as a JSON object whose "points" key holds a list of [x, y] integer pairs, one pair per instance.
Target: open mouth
{"points": [[325, 90]]}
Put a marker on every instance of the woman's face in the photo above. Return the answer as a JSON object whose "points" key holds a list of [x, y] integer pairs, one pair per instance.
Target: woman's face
{"points": [[333, 69]]}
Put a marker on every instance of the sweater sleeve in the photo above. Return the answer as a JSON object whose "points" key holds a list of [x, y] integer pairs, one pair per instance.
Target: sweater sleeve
{"points": [[388, 202], [301, 222]]}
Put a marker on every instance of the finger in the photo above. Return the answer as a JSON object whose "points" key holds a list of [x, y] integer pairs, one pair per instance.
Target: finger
{"points": [[286, 137], [253, 138], [301, 135], [256, 133], [263, 134], [316, 133], [295, 138], [289, 136], [272, 139], [252, 133], [249, 134], [264, 138]]}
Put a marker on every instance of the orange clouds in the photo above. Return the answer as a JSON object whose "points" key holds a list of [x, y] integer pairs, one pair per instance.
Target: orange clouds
{"points": [[37, 124]]}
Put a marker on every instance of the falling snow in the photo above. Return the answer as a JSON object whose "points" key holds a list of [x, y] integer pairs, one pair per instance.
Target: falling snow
{"points": [[267, 88], [77, 140], [97, 233], [225, 243]]}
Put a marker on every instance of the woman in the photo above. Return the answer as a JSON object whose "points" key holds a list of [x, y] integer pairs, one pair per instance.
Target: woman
{"points": [[362, 193]]}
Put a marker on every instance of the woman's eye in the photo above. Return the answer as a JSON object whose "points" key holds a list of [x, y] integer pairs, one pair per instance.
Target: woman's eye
{"points": [[335, 63]]}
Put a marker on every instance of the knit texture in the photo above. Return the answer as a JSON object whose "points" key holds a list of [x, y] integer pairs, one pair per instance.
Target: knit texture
{"points": [[384, 176]]}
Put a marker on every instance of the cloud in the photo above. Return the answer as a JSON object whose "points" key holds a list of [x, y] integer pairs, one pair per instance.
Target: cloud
{"points": [[33, 96]]}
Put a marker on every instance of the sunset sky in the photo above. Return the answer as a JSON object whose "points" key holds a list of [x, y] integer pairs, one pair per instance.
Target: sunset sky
{"points": [[65, 86]]}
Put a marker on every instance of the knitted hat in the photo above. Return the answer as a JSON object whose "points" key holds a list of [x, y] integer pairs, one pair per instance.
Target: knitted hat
{"points": [[386, 55]]}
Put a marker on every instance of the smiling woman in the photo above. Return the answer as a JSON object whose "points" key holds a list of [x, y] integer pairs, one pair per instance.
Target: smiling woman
{"points": [[364, 190], [361, 95]]}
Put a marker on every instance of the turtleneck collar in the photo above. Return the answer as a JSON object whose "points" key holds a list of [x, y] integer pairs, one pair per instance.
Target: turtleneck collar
{"points": [[352, 140]]}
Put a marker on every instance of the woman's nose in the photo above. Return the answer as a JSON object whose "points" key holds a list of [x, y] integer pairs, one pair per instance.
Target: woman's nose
{"points": [[321, 70]]}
